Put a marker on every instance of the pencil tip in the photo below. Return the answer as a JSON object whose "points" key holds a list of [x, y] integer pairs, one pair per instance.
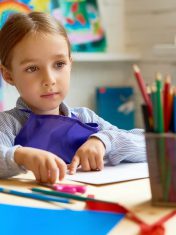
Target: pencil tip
{"points": [[158, 76], [168, 78], [136, 68]]}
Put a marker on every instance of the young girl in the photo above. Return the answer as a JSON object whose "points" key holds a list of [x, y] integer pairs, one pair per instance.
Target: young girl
{"points": [[42, 133]]}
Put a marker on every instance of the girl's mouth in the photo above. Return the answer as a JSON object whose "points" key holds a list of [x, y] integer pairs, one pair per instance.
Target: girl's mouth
{"points": [[49, 95]]}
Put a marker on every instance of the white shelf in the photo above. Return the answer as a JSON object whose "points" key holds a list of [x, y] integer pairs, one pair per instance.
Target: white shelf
{"points": [[103, 56], [165, 49]]}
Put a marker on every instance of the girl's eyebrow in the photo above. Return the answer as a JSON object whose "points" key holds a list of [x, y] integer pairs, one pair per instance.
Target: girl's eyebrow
{"points": [[30, 60], [25, 61], [60, 56]]}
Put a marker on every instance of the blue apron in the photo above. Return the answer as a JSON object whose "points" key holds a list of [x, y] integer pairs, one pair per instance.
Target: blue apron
{"points": [[58, 134]]}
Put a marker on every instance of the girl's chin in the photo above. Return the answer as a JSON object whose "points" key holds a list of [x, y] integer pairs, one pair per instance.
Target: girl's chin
{"points": [[47, 110]]}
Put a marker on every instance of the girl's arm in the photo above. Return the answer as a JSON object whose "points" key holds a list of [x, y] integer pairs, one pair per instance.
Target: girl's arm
{"points": [[8, 167], [9, 126], [121, 145]]}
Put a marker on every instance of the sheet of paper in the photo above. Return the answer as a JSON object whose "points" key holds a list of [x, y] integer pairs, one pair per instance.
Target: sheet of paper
{"points": [[112, 174], [35, 221]]}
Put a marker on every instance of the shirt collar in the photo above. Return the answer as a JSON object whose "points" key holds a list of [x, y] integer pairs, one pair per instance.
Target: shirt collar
{"points": [[20, 104]]}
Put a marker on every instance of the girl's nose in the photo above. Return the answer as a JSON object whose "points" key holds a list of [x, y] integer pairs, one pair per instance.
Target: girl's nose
{"points": [[49, 83], [48, 79]]}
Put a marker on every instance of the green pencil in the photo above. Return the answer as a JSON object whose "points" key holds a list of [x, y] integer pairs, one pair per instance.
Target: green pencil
{"points": [[65, 195], [160, 127]]}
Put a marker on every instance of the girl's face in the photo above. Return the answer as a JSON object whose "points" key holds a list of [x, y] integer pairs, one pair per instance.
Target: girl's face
{"points": [[40, 70]]}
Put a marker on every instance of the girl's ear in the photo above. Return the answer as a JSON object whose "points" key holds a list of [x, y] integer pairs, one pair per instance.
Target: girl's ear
{"points": [[6, 75]]}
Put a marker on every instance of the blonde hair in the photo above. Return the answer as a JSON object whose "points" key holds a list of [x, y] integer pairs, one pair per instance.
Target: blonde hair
{"points": [[20, 24]]}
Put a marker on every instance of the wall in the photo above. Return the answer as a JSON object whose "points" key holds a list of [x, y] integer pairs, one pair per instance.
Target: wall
{"points": [[149, 23]]}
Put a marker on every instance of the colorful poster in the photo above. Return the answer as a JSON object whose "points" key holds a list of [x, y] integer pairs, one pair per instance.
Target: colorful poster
{"points": [[80, 18], [82, 21]]}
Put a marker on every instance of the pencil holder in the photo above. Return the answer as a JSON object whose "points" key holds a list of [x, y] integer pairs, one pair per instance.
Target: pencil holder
{"points": [[161, 155]]}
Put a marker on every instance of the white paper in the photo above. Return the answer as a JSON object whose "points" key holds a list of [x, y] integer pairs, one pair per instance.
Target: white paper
{"points": [[112, 174]]}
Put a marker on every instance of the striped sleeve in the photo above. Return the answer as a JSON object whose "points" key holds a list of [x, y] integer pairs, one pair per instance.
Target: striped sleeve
{"points": [[9, 126], [121, 145], [8, 167]]}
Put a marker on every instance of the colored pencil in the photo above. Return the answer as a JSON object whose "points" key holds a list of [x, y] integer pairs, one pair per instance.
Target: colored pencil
{"points": [[154, 104], [143, 88], [174, 111], [61, 194], [160, 127], [71, 196], [146, 118], [148, 88], [167, 103], [33, 195]]}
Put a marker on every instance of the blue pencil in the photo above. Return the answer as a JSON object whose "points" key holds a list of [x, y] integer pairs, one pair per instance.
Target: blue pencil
{"points": [[34, 195]]}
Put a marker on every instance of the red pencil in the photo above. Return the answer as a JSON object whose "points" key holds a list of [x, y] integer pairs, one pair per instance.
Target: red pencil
{"points": [[167, 103], [143, 89]]}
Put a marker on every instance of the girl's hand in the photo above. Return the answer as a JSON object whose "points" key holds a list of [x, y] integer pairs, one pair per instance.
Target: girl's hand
{"points": [[46, 166], [89, 156]]}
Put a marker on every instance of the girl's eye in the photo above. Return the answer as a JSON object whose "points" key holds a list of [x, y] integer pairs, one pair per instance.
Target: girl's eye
{"points": [[59, 64], [31, 69]]}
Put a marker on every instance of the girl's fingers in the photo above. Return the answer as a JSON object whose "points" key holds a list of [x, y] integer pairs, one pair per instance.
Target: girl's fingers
{"points": [[85, 164], [43, 173], [37, 174], [99, 162], [92, 163], [74, 164], [62, 168], [68, 166], [52, 170]]}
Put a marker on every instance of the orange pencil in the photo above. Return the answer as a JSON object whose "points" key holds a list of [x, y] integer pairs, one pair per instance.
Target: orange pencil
{"points": [[143, 89]]}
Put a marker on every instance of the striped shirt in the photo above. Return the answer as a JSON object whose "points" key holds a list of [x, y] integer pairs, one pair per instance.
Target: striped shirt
{"points": [[121, 145]]}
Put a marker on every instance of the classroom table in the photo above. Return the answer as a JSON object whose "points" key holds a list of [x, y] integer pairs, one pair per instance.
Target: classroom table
{"points": [[134, 195]]}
